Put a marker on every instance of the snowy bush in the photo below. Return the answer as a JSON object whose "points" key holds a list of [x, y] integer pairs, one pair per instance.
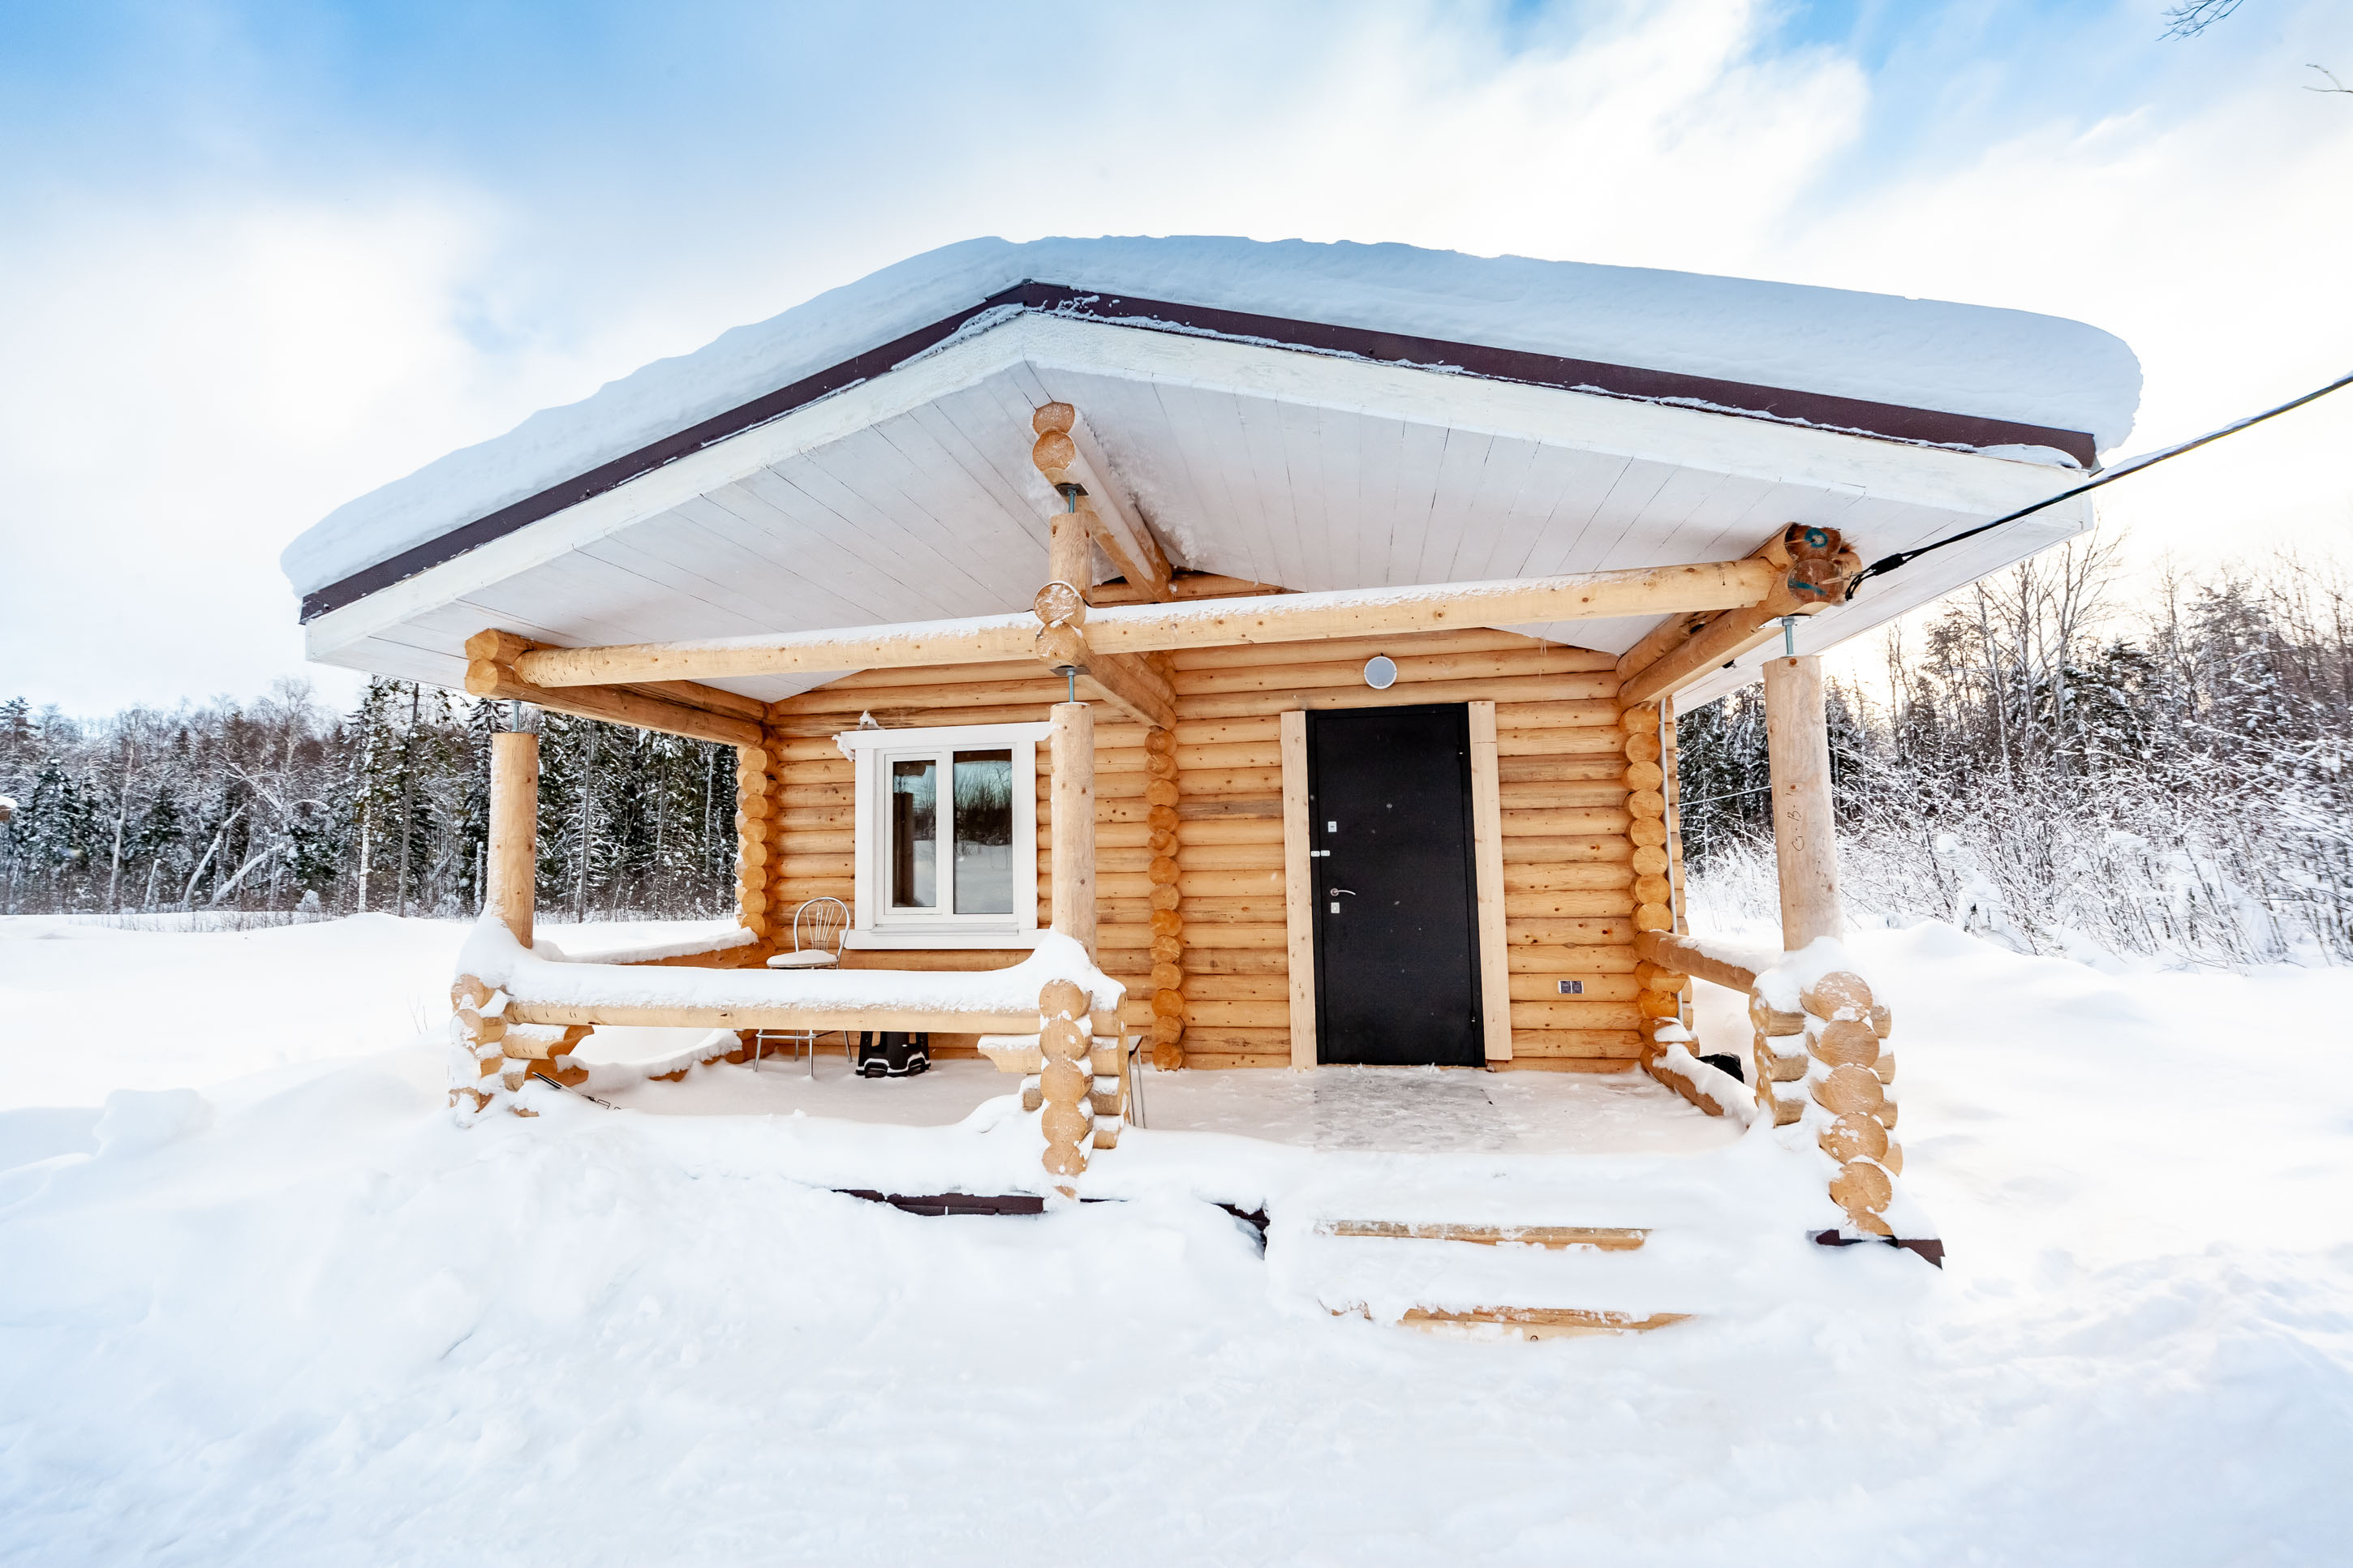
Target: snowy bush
{"points": [[2179, 793]]}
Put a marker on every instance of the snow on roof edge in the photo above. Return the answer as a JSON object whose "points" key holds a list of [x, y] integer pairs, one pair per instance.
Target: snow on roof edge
{"points": [[1959, 359]]}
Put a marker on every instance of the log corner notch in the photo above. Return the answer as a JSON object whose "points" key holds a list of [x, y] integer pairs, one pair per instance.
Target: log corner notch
{"points": [[672, 707], [1812, 566], [1660, 1003]]}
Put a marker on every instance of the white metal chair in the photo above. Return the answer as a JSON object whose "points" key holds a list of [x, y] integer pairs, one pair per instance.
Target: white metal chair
{"points": [[818, 926]]}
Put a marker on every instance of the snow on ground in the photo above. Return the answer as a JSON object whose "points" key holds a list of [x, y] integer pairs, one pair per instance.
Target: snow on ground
{"points": [[266, 1304]]}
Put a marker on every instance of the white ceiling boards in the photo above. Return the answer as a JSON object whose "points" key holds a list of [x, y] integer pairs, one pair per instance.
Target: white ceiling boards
{"points": [[909, 495]]}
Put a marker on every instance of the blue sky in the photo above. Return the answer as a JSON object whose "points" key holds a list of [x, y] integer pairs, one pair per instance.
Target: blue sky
{"points": [[263, 257]]}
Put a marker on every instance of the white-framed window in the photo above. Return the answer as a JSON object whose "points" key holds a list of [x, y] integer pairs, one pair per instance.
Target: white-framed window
{"points": [[947, 835]]}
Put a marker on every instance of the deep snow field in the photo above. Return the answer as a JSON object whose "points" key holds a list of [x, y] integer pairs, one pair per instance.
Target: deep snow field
{"points": [[262, 1302]]}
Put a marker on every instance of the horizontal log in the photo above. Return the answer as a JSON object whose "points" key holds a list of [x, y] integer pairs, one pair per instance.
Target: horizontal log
{"points": [[1590, 877], [1239, 808], [1263, 1015], [1267, 675], [1201, 1060], [1685, 956], [1525, 689], [1229, 732], [1567, 822], [1590, 932], [500, 682], [1568, 961], [773, 1017], [1358, 649], [1559, 769], [954, 960], [1271, 986], [1265, 855], [1204, 963], [1266, 754], [1209, 938], [1607, 1044], [808, 724], [1548, 797], [1237, 830], [1181, 585], [849, 703], [1575, 1012], [1139, 628], [1233, 1037], [1583, 848], [1598, 987], [1529, 718], [1573, 1064]]}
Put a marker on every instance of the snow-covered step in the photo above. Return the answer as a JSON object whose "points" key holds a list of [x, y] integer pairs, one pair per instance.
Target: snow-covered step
{"points": [[1550, 1236], [1535, 1280], [1529, 1323]]}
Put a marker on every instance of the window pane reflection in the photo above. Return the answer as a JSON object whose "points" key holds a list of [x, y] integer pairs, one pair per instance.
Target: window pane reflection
{"points": [[984, 833], [914, 834]]}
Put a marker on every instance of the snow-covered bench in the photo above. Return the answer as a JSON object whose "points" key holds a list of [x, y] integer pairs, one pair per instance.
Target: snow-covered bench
{"points": [[519, 1007]]}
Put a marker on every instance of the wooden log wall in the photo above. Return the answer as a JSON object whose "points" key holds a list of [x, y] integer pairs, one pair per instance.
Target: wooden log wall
{"points": [[1199, 936]]}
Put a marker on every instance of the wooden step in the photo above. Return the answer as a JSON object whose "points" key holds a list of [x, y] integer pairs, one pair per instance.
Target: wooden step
{"points": [[1554, 1237], [1530, 1322]]}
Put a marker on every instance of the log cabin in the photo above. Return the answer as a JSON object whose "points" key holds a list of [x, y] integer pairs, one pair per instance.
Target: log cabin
{"points": [[1233, 657]]}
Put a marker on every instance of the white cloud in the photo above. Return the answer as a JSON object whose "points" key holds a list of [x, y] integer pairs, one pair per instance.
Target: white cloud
{"points": [[194, 382]]}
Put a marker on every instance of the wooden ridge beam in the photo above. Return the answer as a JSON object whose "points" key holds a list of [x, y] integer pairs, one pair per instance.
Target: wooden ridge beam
{"points": [[1150, 628]]}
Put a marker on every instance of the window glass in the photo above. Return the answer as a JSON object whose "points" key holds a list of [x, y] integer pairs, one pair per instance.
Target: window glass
{"points": [[914, 833], [984, 833]]}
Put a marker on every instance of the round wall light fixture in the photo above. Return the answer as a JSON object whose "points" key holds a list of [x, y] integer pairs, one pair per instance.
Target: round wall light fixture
{"points": [[1380, 672]]}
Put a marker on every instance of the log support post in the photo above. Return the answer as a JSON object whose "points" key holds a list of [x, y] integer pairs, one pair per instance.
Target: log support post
{"points": [[1071, 805], [513, 850], [1805, 849], [1168, 902]]}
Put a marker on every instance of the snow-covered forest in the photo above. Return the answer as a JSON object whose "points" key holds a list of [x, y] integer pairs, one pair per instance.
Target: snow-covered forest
{"points": [[2041, 764], [277, 805], [2061, 773]]}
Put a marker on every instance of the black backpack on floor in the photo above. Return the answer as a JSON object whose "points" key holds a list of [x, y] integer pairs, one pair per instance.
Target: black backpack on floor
{"points": [[893, 1053]]}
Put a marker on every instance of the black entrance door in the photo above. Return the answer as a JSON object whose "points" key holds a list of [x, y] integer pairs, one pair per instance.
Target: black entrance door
{"points": [[1397, 959]]}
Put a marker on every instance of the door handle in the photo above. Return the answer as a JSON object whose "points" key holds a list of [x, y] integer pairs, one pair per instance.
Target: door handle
{"points": [[1338, 891]]}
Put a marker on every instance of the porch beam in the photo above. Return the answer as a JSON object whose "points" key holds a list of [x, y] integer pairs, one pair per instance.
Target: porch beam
{"points": [[1808, 571], [1124, 680], [1201, 623], [490, 674]]}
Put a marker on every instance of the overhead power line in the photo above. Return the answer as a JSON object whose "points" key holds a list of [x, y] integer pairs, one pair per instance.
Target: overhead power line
{"points": [[1885, 565]]}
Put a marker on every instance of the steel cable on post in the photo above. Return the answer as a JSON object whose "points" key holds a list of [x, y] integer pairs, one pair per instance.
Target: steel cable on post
{"points": [[1885, 565]]}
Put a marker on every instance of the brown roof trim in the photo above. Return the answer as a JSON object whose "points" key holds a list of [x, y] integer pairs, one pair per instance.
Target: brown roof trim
{"points": [[1740, 399]]}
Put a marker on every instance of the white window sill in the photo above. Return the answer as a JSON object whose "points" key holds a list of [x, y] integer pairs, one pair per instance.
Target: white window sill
{"points": [[906, 939]]}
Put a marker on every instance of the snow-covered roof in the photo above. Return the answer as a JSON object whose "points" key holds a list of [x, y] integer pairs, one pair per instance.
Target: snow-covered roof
{"points": [[1761, 347]]}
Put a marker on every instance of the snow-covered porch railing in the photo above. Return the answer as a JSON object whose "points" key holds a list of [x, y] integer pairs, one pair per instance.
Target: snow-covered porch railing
{"points": [[521, 1011]]}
